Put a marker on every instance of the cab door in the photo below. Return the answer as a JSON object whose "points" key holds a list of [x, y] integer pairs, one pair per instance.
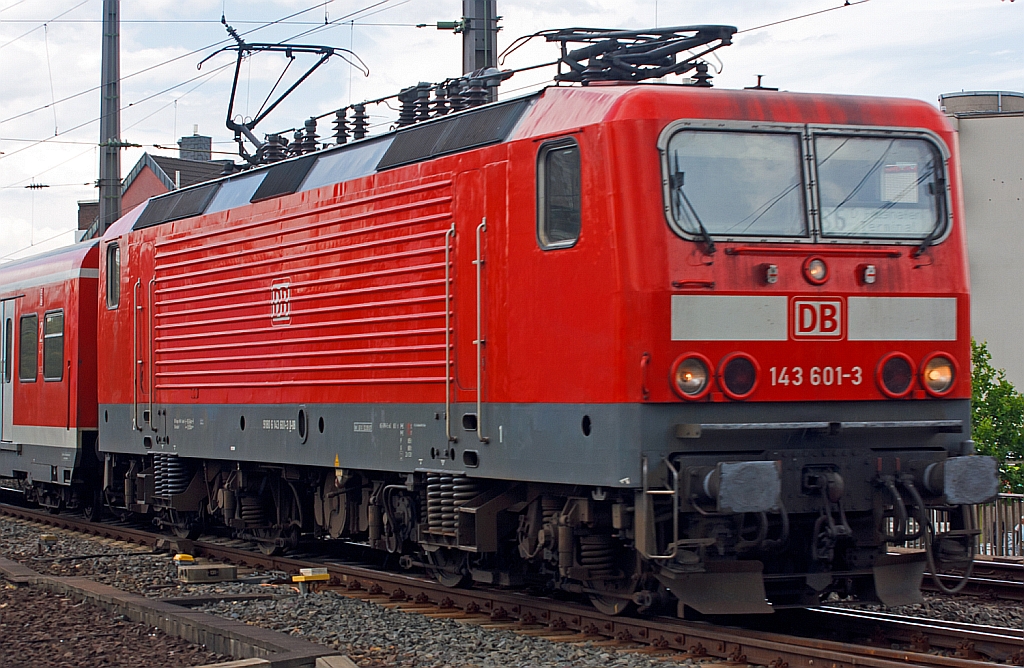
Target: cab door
{"points": [[142, 335], [6, 369]]}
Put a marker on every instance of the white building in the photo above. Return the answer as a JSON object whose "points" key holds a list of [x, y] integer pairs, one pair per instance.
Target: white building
{"points": [[991, 127]]}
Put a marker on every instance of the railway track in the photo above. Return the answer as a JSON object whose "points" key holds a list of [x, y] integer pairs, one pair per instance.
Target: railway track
{"points": [[832, 637]]}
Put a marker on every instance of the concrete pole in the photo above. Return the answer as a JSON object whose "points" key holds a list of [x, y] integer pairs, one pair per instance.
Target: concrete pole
{"points": [[479, 38], [110, 117]]}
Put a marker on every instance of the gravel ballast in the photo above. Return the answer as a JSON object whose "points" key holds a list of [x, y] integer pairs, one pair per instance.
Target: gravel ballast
{"points": [[45, 630], [130, 568], [967, 609], [372, 635]]}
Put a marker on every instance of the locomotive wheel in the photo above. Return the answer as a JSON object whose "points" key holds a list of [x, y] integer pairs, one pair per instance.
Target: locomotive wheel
{"points": [[92, 509], [449, 566], [185, 525], [618, 600], [272, 549], [268, 548]]}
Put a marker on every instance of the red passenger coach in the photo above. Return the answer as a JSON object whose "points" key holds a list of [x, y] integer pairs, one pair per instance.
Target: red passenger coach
{"points": [[48, 407], [647, 343]]}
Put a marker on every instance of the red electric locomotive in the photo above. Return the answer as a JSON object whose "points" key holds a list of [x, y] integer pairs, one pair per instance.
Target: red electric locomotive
{"points": [[621, 339]]}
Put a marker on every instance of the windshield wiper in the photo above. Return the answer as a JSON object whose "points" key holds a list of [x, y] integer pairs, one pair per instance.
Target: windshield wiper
{"points": [[934, 234], [676, 184]]}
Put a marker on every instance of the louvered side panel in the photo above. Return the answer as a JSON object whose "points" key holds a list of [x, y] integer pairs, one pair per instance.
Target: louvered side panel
{"points": [[348, 295]]}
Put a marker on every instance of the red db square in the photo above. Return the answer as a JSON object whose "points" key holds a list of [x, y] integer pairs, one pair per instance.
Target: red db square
{"points": [[817, 319]]}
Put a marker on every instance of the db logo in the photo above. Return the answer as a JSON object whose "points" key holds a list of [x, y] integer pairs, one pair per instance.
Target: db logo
{"points": [[280, 303], [818, 319]]}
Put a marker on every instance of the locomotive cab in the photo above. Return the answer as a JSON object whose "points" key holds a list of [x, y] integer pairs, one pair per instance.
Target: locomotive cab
{"points": [[806, 377]]}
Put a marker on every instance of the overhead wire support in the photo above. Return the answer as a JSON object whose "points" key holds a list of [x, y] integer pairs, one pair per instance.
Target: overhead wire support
{"points": [[246, 49]]}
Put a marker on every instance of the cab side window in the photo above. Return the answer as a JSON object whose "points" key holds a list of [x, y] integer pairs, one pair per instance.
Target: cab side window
{"points": [[28, 348], [558, 194], [113, 275]]}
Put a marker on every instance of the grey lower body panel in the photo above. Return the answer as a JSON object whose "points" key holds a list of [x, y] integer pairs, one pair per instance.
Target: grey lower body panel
{"points": [[583, 444], [39, 463]]}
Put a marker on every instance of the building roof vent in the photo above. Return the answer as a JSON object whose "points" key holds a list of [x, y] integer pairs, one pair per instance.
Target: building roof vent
{"points": [[968, 103]]}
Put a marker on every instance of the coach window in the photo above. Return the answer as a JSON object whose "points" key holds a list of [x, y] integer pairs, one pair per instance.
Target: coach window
{"points": [[558, 194], [113, 275], [28, 348], [53, 345]]}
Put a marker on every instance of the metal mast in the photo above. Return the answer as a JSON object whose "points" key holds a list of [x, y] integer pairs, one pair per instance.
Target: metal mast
{"points": [[110, 117], [480, 37]]}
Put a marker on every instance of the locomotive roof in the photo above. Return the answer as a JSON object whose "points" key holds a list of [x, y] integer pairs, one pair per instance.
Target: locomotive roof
{"points": [[564, 108], [75, 261], [552, 110]]}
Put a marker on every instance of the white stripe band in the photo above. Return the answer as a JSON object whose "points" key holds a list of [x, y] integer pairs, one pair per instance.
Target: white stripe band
{"points": [[728, 318], [901, 318], [49, 279]]}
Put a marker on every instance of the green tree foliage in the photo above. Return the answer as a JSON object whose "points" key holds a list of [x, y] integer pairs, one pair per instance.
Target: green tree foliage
{"points": [[997, 417]]}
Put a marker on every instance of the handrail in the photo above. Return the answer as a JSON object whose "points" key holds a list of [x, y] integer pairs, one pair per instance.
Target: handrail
{"points": [[448, 333], [152, 389], [135, 354], [674, 547], [479, 342]]}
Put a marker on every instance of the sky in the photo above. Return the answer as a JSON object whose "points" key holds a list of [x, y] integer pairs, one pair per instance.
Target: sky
{"points": [[50, 69]]}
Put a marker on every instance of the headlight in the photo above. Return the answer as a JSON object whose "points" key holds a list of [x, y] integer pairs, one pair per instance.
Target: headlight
{"points": [[938, 374], [737, 374], [895, 375], [690, 376], [815, 270]]}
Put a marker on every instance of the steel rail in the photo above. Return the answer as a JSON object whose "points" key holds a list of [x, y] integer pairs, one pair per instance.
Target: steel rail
{"points": [[565, 619]]}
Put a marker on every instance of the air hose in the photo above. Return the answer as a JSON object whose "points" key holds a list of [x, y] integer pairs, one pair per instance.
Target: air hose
{"points": [[927, 531]]}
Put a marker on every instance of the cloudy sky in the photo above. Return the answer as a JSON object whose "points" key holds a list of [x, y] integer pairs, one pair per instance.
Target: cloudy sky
{"points": [[50, 51]]}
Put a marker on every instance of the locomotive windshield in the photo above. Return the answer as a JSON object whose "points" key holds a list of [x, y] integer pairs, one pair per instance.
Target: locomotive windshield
{"points": [[741, 184], [737, 184], [878, 187]]}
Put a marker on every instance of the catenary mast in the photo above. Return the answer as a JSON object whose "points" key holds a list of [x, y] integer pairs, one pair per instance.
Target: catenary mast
{"points": [[110, 118], [480, 37]]}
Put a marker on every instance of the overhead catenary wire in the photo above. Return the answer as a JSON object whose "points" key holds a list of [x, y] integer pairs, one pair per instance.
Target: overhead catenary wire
{"points": [[848, 3], [49, 71], [43, 24], [34, 243], [129, 105], [11, 6], [329, 24], [217, 21], [209, 76], [209, 73], [180, 57]]}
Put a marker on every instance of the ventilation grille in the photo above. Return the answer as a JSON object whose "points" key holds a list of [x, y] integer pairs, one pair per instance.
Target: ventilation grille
{"points": [[467, 130], [284, 178], [176, 205]]}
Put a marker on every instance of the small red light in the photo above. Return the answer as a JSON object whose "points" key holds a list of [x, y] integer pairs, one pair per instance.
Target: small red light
{"points": [[737, 375], [895, 375]]}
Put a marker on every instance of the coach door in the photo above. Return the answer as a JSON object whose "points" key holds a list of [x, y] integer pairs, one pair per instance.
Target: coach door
{"points": [[6, 369]]}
